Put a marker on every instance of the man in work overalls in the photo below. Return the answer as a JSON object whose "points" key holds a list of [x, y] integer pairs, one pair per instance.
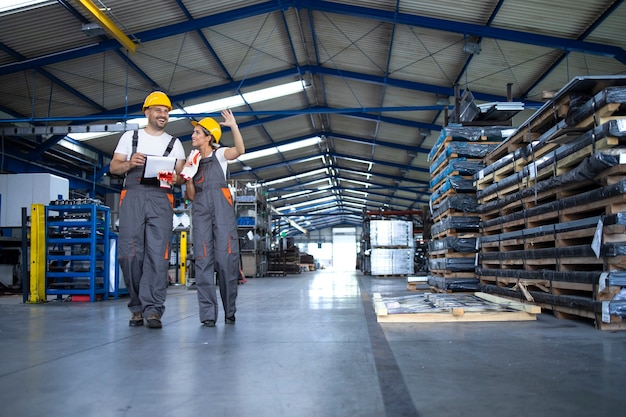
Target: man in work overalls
{"points": [[214, 222], [146, 212]]}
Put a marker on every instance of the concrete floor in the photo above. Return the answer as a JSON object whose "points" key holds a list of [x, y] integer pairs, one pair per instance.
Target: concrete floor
{"points": [[304, 345]]}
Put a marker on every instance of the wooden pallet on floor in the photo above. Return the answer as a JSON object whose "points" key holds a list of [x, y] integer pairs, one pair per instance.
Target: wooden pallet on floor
{"points": [[276, 273], [417, 283], [441, 308]]}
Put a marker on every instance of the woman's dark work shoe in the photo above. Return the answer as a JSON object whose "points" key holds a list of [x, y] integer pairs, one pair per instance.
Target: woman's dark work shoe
{"points": [[208, 323], [154, 322], [229, 320], [136, 320]]}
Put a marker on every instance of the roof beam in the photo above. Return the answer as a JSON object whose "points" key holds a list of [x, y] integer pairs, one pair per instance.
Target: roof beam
{"points": [[356, 11], [467, 29], [54, 79], [587, 32]]}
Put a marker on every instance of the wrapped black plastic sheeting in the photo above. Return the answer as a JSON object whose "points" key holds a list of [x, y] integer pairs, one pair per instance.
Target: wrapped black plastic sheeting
{"points": [[455, 167], [539, 231], [457, 223], [470, 133], [454, 243], [584, 173], [615, 219], [466, 203], [615, 307], [615, 278], [569, 301], [452, 264], [453, 284], [461, 150], [574, 277], [586, 170], [611, 249], [523, 153], [451, 185], [562, 204], [583, 86], [610, 95], [618, 308]]}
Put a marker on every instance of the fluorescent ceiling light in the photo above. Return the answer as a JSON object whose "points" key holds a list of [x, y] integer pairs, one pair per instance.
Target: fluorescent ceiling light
{"points": [[281, 148], [294, 194], [295, 177], [246, 98], [74, 147], [358, 207], [215, 105], [367, 184], [308, 194], [290, 207], [14, 6], [362, 161]]}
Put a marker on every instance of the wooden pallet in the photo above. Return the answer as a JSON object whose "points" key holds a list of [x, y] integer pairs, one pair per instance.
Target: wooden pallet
{"points": [[595, 319], [465, 307], [276, 273], [418, 286], [565, 305], [557, 168]]}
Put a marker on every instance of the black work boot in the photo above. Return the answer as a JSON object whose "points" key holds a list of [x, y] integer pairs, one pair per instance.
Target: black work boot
{"points": [[154, 321], [136, 320]]}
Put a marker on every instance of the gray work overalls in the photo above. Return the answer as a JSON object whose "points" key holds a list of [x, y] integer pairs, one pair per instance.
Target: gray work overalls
{"points": [[145, 215], [215, 240]]}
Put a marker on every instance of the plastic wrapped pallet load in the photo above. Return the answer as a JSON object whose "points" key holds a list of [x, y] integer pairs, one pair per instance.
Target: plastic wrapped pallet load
{"points": [[387, 261], [391, 233]]}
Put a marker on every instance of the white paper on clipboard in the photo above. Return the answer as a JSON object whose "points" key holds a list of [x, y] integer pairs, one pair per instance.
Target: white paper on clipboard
{"points": [[154, 164]]}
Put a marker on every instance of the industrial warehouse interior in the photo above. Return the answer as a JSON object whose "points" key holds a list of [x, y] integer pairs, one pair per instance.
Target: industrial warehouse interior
{"points": [[430, 210]]}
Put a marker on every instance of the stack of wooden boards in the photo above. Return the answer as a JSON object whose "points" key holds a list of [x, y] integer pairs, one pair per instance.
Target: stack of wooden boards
{"points": [[551, 200], [456, 157]]}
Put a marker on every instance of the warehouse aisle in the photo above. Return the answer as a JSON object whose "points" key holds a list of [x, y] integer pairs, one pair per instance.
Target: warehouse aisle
{"points": [[304, 345]]}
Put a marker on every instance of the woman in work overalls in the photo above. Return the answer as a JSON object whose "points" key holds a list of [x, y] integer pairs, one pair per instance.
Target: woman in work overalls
{"points": [[214, 222]]}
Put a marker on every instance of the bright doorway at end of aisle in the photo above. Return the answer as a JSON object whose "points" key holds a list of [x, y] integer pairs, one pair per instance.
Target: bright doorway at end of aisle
{"points": [[344, 249]]}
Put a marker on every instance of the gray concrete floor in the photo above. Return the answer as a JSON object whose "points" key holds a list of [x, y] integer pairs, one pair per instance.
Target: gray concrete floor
{"points": [[304, 345]]}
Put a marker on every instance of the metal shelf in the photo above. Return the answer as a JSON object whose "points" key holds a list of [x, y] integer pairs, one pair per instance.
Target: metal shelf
{"points": [[253, 225], [78, 251]]}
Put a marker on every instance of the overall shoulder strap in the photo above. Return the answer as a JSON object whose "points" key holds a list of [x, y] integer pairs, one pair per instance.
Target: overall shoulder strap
{"points": [[170, 146], [135, 140]]}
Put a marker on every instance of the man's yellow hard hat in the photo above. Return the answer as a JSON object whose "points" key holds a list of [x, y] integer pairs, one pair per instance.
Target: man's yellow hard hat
{"points": [[157, 98]]}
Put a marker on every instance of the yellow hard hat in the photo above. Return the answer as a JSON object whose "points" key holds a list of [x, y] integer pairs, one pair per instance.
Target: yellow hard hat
{"points": [[211, 126], [157, 98]]}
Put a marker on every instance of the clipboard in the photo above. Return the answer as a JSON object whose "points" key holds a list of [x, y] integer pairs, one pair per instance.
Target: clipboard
{"points": [[153, 165]]}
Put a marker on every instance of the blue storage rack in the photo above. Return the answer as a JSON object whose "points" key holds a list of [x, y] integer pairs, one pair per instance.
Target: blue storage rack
{"points": [[78, 257]]}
